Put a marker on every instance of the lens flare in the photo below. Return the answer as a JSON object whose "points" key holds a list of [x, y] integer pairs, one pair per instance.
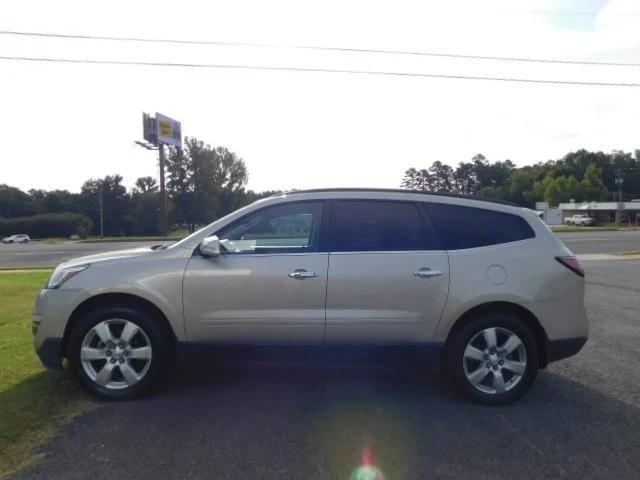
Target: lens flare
{"points": [[367, 471]]}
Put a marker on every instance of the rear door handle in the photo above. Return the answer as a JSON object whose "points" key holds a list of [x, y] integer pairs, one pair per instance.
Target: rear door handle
{"points": [[425, 272], [302, 273]]}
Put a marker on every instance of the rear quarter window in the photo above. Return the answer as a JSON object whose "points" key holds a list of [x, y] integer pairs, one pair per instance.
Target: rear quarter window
{"points": [[460, 227]]}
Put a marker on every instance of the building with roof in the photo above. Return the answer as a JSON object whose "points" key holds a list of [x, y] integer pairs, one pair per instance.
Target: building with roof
{"points": [[603, 212]]}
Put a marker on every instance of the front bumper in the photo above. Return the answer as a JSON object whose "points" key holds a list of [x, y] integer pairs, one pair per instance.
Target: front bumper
{"points": [[52, 310], [50, 353]]}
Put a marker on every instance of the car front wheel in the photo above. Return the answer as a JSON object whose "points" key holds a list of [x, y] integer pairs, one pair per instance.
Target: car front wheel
{"points": [[493, 358], [117, 352]]}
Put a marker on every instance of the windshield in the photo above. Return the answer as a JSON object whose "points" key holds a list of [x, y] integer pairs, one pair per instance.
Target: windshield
{"points": [[210, 229]]}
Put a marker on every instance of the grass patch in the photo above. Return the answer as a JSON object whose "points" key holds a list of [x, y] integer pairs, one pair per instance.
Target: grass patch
{"points": [[33, 400], [27, 269], [172, 237]]}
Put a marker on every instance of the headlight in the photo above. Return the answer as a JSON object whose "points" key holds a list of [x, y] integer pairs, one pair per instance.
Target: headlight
{"points": [[61, 275]]}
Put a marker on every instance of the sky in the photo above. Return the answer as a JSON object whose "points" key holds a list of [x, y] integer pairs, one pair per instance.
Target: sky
{"points": [[61, 124]]}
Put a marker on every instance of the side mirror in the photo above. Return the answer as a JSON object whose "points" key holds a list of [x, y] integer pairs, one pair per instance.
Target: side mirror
{"points": [[210, 247]]}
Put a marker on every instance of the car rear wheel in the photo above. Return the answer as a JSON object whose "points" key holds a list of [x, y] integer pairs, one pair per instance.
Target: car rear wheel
{"points": [[493, 358], [118, 352]]}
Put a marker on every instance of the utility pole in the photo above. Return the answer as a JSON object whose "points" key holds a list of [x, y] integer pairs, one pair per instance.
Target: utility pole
{"points": [[101, 221], [619, 182], [163, 192]]}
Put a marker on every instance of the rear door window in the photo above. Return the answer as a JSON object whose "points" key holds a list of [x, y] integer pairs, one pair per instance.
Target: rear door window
{"points": [[460, 227], [370, 226]]}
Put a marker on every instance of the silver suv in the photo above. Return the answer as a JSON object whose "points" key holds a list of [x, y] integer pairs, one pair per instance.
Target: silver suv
{"points": [[484, 284]]}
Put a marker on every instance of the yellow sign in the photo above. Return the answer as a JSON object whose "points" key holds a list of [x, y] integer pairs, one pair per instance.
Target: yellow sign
{"points": [[165, 128], [169, 130]]}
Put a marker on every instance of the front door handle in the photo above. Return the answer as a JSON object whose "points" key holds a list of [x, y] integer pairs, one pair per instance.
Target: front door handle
{"points": [[425, 272], [302, 273]]}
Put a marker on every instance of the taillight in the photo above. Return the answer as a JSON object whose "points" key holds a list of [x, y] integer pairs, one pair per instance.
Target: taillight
{"points": [[572, 264]]}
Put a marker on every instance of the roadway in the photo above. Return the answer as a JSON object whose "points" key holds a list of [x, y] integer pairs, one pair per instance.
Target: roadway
{"points": [[40, 254], [601, 241], [44, 254], [307, 419]]}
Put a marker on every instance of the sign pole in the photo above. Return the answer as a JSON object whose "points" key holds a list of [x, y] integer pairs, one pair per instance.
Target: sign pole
{"points": [[163, 192], [158, 132]]}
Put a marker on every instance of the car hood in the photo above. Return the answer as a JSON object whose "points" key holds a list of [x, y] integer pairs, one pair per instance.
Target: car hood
{"points": [[116, 255]]}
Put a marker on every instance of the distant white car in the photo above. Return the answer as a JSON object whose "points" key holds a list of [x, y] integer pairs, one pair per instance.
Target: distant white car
{"points": [[18, 238], [584, 220]]}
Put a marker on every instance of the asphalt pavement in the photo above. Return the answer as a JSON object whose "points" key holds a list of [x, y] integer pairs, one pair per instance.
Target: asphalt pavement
{"points": [[41, 254], [219, 418], [45, 254], [602, 241]]}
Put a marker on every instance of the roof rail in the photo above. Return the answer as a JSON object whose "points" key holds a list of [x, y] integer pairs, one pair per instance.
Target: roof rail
{"points": [[401, 190]]}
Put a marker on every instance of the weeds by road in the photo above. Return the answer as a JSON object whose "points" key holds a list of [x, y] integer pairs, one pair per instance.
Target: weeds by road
{"points": [[172, 237], [33, 401], [565, 229]]}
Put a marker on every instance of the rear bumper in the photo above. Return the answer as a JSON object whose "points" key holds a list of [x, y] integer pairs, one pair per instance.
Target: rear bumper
{"points": [[566, 347]]}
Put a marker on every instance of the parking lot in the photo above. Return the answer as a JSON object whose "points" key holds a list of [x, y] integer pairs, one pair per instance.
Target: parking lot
{"points": [[292, 415]]}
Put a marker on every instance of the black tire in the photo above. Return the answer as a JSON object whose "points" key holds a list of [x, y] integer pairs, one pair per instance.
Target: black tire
{"points": [[457, 344], [157, 334]]}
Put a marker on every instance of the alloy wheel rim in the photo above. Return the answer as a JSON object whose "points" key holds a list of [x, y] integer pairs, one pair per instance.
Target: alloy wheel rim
{"points": [[495, 360], [116, 354]]}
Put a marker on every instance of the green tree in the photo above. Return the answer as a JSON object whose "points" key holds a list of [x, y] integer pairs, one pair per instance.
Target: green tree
{"points": [[466, 179], [573, 189], [115, 204], [15, 203], [521, 187], [441, 177], [204, 182], [145, 209], [592, 186], [552, 192], [416, 180], [146, 184]]}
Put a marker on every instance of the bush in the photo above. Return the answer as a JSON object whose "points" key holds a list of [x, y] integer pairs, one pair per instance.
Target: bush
{"points": [[83, 232], [46, 225]]}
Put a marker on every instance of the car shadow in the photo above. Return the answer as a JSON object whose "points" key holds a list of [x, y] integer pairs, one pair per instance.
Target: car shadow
{"points": [[318, 415]]}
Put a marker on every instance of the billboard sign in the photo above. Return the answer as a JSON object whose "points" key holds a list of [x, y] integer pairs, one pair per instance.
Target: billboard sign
{"points": [[149, 129], [169, 131]]}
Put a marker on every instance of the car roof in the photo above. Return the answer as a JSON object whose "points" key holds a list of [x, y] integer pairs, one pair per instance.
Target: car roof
{"points": [[400, 190]]}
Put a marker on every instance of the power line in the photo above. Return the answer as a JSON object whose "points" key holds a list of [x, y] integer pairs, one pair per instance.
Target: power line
{"points": [[316, 70], [566, 12], [317, 48]]}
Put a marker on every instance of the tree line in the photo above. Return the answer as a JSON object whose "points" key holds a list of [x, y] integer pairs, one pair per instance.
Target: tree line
{"points": [[579, 176], [203, 183]]}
